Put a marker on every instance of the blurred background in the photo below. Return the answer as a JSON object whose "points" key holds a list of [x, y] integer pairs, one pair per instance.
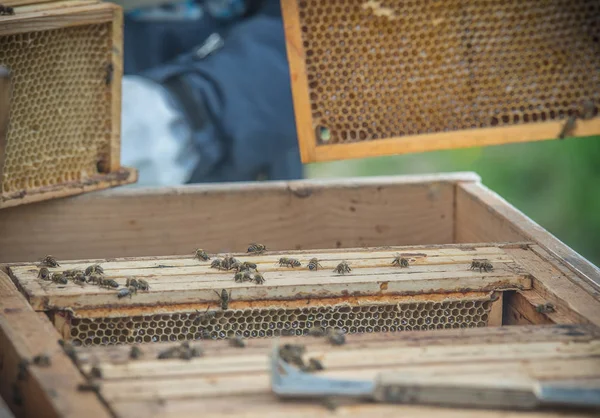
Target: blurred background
{"points": [[206, 98]]}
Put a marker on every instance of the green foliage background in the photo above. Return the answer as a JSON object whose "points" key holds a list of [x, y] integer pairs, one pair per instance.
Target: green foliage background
{"points": [[556, 183]]}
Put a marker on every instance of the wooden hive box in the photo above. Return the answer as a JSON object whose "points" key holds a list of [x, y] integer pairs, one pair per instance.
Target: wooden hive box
{"points": [[373, 78], [439, 223], [62, 136]]}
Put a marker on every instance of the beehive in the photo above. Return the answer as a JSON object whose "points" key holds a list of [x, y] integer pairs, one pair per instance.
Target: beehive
{"points": [[384, 77], [63, 136]]}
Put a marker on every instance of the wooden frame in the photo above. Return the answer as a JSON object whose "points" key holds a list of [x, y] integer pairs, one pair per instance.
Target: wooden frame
{"points": [[311, 151], [62, 14]]}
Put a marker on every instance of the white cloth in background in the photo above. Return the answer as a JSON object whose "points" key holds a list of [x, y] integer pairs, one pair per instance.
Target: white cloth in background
{"points": [[155, 137]]}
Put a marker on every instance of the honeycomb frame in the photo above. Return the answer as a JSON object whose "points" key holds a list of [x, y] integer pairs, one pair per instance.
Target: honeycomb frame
{"points": [[368, 316], [354, 75], [63, 136]]}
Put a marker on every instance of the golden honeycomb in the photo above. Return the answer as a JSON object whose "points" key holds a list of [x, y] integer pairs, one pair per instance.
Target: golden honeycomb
{"points": [[382, 69], [60, 117], [264, 322]]}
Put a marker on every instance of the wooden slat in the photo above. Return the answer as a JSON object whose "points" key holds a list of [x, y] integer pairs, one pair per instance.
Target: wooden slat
{"points": [[483, 216], [114, 154], [439, 271], [235, 382], [5, 412], [45, 391], [343, 213], [5, 94]]}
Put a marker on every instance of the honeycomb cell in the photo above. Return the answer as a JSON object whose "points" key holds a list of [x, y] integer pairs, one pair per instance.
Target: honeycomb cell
{"points": [[50, 141]]}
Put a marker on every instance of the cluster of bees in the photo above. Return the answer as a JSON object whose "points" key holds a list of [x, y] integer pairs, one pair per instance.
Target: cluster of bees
{"points": [[6, 10], [293, 353], [93, 274]]}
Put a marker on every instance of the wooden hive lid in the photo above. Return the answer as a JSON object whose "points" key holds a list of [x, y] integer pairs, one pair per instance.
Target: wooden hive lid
{"points": [[372, 78]]}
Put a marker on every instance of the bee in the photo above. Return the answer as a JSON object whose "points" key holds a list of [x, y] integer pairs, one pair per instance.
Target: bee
{"points": [[313, 365], [342, 268], [568, 127], [168, 353], [79, 278], [237, 341], [110, 70], [6, 11], [588, 110], [88, 387], [94, 279], [229, 262], [201, 255], [135, 352], [316, 332], [126, 291], [59, 278], [218, 264], [108, 283], [400, 261], [545, 308], [292, 354], [44, 274], [242, 276], [313, 264], [95, 372], [131, 282], [336, 336], [482, 265], [225, 298], [258, 278], [143, 285], [23, 368], [247, 265], [255, 248], [42, 360], [72, 273], [49, 261], [288, 262], [94, 269]]}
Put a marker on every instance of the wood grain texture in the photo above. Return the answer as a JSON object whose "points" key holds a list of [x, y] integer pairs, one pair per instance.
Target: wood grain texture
{"points": [[5, 93], [114, 154], [345, 213], [230, 381], [446, 140], [483, 216], [186, 280], [44, 391], [124, 175]]}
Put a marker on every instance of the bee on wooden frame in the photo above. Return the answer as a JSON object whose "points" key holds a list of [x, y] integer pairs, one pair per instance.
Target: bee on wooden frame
{"points": [[314, 264], [313, 365], [59, 278], [545, 308], [131, 281], [336, 336], [289, 262], [400, 261], [482, 265], [94, 279], [143, 285], [237, 341], [342, 268], [201, 255], [109, 283], [258, 278], [255, 248], [44, 274], [228, 262], [49, 261], [79, 278], [94, 269], [126, 291], [217, 263], [6, 10], [225, 298], [206, 315]]}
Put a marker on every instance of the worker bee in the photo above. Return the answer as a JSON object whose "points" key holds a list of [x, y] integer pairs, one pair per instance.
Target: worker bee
{"points": [[316, 332], [6, 10], [225, 298], [49, 261], [216, 264], [44, 274], [201, 255], [143, 285], [110, 71], [258, 278], [247, 265], [59, 278], [72, 273], [94, 279], [130, 281], [545, 308], [292, 354], [243, 276], [229, 262], [42, 360], [482, 265], [588, 110], [255, 248], [126, 291], [94, 269], [288, 262], [95, 372], [237, 341], [135, 352], [568, 127], [336, 336], [108, 283], [79, 278], [400, 261], [206, 315], [313, 264], [342, 268], [88, 387], [313, 365]]}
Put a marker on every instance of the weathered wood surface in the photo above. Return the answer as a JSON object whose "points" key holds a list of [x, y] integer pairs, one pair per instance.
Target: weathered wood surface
{"points": [[183, 280], [41, 391], [230, 381], [343, 213], [5, 411]]}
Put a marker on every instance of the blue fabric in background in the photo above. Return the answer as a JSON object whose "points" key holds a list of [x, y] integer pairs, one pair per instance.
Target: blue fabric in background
{"points": [[245, 87]]}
